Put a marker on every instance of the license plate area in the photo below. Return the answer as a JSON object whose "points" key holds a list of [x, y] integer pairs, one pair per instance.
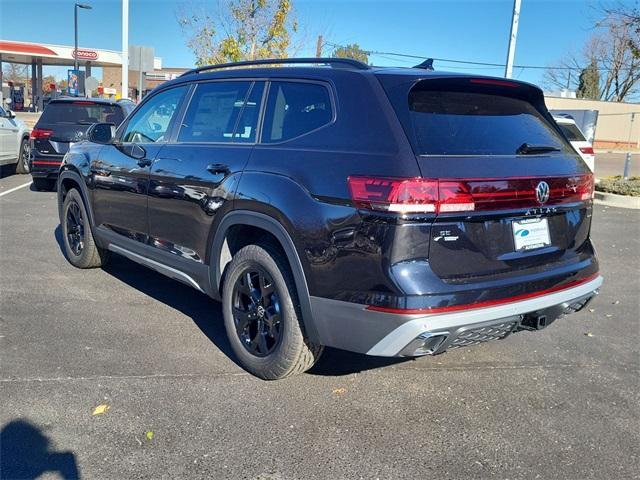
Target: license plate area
{"points": [[530, 233]]}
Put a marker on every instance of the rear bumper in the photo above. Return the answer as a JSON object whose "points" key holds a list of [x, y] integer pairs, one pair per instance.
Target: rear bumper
{"points": [[351, 327], [45, 167]]}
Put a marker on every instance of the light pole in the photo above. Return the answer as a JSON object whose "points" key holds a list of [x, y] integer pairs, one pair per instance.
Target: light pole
{"points": [[515, 19], [75, 28]]}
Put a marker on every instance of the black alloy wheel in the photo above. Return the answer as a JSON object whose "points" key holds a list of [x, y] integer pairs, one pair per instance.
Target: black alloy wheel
{"points": [[75, 228], [256, 311]]}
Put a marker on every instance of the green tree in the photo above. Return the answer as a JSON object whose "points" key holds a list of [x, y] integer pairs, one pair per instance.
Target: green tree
{"points": [[240, 30], [352, 51], [589, 82]]}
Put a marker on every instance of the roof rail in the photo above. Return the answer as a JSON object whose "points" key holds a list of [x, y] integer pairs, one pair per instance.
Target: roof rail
{"points": [[346, 62]]}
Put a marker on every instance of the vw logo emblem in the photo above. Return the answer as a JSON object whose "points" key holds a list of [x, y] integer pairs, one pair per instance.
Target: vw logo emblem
{"points": [[542, 192]]}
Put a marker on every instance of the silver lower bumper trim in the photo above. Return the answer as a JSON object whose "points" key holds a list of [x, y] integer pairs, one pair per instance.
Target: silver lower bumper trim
{"points": [[455, 323]]}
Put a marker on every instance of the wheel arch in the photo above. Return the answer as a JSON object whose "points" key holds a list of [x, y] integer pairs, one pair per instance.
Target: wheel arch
{"points": [[221, 256], [68, 179]]}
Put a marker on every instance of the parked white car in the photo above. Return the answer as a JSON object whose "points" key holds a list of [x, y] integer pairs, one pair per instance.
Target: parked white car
{"points": [[14, 141], [577, 139]]}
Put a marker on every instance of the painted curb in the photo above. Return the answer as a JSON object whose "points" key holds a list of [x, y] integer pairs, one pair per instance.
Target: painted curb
{"points": [[615, 200]]}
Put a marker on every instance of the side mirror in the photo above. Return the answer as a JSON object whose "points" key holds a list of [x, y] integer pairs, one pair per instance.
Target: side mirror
{"points": [[133, 150], [10, 114], [102, 133]]}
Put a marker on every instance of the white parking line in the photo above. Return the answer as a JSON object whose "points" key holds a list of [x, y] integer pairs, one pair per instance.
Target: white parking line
{"points": [[14, 189]]}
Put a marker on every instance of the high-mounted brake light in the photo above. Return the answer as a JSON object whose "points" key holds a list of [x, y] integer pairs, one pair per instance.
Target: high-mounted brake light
{"points": [[587, 150], [83, 102], [40, 133], [420, 195], [490, 81]]}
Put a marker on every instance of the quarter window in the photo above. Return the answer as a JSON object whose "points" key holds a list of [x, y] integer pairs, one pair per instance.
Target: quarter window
{"points": [[295, 108], [150, 124], [214, 111]]}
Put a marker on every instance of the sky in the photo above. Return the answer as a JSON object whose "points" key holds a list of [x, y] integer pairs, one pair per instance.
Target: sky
{"points": [[472, 30]]}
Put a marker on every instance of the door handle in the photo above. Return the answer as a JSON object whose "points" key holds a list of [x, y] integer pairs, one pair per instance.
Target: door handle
{"points": [[218, 169]]}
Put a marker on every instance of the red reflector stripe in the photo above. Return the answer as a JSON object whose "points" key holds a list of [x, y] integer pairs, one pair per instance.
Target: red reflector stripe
{"points": [[46, 162], [487, 303]]}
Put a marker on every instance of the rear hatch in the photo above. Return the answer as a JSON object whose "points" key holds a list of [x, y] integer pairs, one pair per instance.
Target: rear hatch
{"points": [[65, 122], [511, 196]]}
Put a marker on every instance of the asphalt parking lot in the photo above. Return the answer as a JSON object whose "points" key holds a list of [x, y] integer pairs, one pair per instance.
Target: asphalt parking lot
{"points": [[560, 403]]}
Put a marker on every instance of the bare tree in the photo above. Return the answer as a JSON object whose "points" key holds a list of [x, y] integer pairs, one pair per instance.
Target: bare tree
{"points": [[16, 73], [612, 51]]}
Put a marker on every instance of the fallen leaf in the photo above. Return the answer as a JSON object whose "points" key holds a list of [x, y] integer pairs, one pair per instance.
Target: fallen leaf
{"points": [[339, 391], [149, 435], [589, 334], [100, 409]]}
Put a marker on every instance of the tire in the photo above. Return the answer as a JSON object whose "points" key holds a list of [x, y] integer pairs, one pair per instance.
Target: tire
{"points": [[283, 348], [44, 184], [23, 157], [79, 246]]}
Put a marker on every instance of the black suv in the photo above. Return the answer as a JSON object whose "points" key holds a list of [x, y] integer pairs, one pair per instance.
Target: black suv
{"points": [[388, 211], [64, 121]]}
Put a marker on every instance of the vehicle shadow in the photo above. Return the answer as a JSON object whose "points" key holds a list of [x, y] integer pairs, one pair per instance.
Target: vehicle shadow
{"points": [[26, 453], [7, 170], [207, 315]]}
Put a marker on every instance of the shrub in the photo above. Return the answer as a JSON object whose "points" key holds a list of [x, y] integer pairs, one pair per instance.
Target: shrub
{"points": [[617, 185]]}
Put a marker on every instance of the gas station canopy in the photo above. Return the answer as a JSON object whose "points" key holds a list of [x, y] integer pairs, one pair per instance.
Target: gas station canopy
{"points": [[28, 53]]}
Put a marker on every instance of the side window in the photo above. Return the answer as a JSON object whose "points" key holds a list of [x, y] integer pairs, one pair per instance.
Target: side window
{"points": [[295, 108], [213, 112], [151, 123]]}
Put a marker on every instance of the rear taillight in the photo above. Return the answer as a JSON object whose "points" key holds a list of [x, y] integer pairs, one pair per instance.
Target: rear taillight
{"points": [[37, 133], [587, 150], [419, 195], [409, 195]]}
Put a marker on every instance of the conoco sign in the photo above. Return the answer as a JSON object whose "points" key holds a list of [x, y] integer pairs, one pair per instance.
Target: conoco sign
{"points": [[84, 54]]}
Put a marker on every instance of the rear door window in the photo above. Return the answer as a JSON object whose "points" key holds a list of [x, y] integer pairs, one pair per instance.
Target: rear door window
{"points": [[572, 132], [214, 111], [476, 123], [294, 109], [81, 113]]}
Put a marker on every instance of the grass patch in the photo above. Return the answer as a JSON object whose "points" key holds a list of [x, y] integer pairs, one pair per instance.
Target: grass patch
{"points": [[617, 185]]}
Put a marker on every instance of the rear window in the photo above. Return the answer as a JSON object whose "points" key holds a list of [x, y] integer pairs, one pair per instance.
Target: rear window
{"points": [[82, 113], [572, 132], [475, 123]]}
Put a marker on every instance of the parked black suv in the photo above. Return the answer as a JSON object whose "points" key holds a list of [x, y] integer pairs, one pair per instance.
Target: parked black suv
{"points": [[393, 212], [63, 122]]}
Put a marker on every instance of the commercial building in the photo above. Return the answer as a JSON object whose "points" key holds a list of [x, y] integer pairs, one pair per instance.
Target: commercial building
{"points": [[39, 55], [618, 122]]}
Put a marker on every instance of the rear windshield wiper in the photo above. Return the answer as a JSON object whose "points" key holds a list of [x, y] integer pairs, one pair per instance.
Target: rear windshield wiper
{"points": [[529, 149]]}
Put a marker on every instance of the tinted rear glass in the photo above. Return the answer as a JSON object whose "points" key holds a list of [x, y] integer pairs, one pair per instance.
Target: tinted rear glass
{"points": [[81, 113], [474, 123], [572, 132], [294, 109]]}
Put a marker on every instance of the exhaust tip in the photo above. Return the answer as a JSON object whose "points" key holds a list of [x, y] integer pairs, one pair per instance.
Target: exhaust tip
{"points": [[424, 344]]}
